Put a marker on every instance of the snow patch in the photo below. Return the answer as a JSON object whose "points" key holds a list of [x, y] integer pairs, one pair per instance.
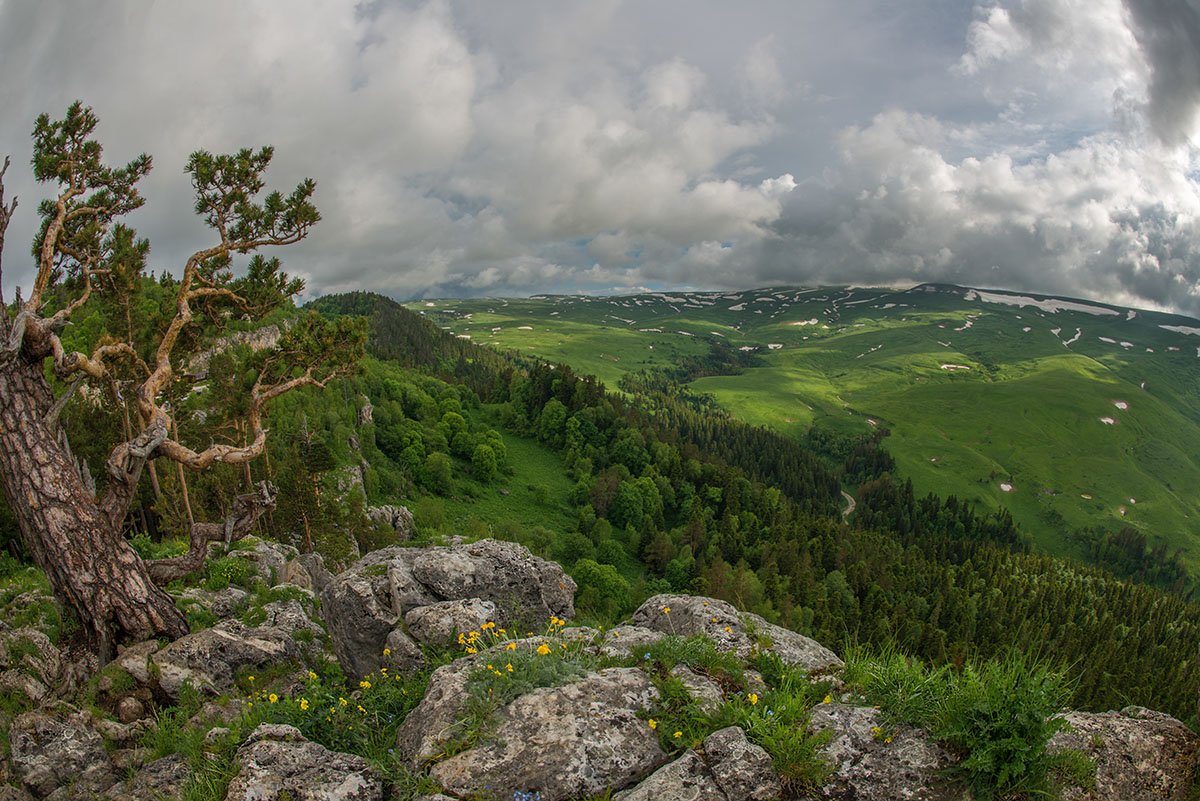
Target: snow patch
{"points": [[1005, 486], [1049, 304], [1182, 329], [1026, 329], [813, 321], [1122, 405], [738, 307], [954, 366], [1108, 421], [1056, 331], [1078, 334], [774, 345]]}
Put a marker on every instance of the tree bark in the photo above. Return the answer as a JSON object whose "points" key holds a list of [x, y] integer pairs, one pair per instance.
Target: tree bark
{"points": [[89, 563]]}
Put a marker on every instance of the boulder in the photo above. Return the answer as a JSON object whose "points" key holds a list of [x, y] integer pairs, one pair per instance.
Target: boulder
{"points": [[365, 604], [706, 692], [222, 603], [563, 742], [743, 770], [209, 659], [162, 778], [30, 665], [53, 750], [135, 660], [731, 630], [277, 762], [1139, 754], [397, 518], [421, 736], [314, 564], [867, 767], [440, 623], [687, 777], [622, 641]]}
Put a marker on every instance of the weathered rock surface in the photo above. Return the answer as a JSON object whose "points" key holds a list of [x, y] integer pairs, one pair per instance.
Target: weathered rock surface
{"points": [[743, 770], [209, 659], [162, 778], [565, 742], [398, 518], [30, 665], [222, 603], [431, 723], [277, 762], [57, 753], [135, 660], [441, 622], [867, 768], [731, 630], [685, 778], [1139, 754], [629, 640], [365, 604], [704, 690]]}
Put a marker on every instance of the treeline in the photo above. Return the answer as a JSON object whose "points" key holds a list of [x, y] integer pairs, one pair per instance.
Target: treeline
{"points": [[683, 499]]}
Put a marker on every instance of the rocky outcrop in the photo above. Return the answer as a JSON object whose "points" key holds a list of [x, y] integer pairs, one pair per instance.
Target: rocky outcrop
{"points": [[30, 665], [876, 761], [731, 630], [422, 734], [440, 623], [397, 518], [564, 742], [742, 770], [162, 778], [1139, 753], [277, 762], [209, 659], [57, 754], [687, 777], [365, 606]]}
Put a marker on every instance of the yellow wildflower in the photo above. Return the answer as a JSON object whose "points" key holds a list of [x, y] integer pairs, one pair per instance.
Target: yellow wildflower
{"points": [[387, 651], [666, 609], [509, 667], [753, 698], [678, 734], [653, 723], [274, 698], [312, 675], [364, 684], [304, 703], [828, 699], [728, 629], [543, 649], [343, 700]]}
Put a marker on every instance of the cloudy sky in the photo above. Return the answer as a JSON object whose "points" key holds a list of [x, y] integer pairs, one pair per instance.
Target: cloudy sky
{"points": [[510, 148]]}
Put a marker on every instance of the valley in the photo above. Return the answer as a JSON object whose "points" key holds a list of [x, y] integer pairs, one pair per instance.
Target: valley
{"points": [[1073, 415]]}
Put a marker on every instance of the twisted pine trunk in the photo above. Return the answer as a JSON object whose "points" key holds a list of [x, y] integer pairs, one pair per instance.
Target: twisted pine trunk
{"points": [[89, 563]]}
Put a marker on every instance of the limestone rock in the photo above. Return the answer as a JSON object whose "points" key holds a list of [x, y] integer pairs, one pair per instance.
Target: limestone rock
{"points": [[397, 518], [866, 768], [1139, 754], [276, 761], [731, 630], [441, 622], [687, 777], [704, 690], [314, 564], [130, 709], [135, 660], [209, 659], [743, 770], [51, 749], [564, 742], [222, 603], [431, 723], [30, 665], [629, 641], [162, 778], [364, 604]]}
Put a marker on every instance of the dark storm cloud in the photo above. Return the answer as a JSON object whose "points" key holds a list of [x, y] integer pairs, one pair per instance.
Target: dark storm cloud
{"points": [[1169, 33]]}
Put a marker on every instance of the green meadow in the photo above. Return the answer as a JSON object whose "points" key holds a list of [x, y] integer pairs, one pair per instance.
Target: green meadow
{"points": [[1071, 414]]}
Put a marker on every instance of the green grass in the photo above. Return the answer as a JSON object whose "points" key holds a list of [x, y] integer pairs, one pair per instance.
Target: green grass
{"points": [[1026, 412]]}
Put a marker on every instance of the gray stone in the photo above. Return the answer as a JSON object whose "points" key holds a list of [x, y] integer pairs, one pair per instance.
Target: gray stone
{"points": [[685, 778], [222, 603], [162, 778], [365, 603], [209, 659], [314, 564], [866, 767], [421, 736], [277, 760], [52, 751], [135, 660], [564, 742], [130, 709], [622, 641], [731, 630], [30, 665], [401, 653], [440, 623], [1139, 754], [706, 692], [397, 518], [743, 770]]}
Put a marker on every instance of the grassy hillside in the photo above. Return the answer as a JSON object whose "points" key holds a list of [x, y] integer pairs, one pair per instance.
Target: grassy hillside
{"points": [[1072, 414]]}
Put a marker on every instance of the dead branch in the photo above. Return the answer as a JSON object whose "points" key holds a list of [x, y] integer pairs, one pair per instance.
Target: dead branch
{"points": [[242, 517]]}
